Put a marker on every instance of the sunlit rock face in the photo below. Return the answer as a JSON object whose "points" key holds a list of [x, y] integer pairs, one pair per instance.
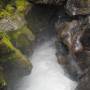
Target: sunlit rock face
{"points": [[76, 7], [51, 2]]}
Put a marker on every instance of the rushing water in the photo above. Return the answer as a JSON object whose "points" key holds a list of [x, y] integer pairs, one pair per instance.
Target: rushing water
{"points": [[46, 74]]}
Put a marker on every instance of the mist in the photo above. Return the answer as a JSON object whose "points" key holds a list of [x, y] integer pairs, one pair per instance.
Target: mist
{"points": [[46, 74]]}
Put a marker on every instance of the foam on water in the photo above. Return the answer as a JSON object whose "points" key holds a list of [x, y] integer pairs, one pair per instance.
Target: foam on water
{"points": [[46, 74]]}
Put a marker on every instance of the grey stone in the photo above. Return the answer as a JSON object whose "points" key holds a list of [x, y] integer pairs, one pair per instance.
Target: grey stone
{"points": [[78, 7]]}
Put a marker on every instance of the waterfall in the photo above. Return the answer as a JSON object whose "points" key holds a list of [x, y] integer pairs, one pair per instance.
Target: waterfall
{"points": [[46, 74]]}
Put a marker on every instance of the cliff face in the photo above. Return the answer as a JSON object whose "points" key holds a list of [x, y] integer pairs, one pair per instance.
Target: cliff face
{"points": [[73, 47], [15, 41], [9, 54], [12, 60]]}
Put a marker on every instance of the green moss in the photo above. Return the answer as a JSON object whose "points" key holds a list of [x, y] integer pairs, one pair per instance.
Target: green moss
{"points": [[10, 7], [21, 5], [22, 38], [9, 53]]}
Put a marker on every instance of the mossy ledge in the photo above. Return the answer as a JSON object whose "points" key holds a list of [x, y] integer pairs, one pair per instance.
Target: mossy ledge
{"points": [[11, 61]]}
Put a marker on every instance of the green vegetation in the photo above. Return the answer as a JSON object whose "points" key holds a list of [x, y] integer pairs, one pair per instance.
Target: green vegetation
{"points": [[21, 5], [14, 42], [10, 54], [21, 38], [7, 50], [9, 7]]}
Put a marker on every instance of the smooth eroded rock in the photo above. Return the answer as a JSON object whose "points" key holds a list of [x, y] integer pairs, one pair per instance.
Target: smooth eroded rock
{"points": [[78, 7], [73, 38]]}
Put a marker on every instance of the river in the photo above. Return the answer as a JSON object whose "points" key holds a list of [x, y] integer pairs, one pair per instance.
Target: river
{"points": [[46, 74]]}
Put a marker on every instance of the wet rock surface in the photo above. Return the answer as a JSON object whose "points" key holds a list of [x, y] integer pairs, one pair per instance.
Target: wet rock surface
{"points": [[78, 7], [13, 63], [50, 2], [73, 49], [73, 7]]}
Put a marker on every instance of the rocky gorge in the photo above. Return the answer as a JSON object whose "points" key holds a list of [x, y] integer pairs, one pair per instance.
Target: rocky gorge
{"points": [[65, 20]]}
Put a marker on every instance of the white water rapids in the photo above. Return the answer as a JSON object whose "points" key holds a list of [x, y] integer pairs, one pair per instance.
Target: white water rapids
{"points": [[46, 74]]}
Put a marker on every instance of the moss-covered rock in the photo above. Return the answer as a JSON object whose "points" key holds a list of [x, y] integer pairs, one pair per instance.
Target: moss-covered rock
{"points": [[14, 63], [8, 53], [73, 45], [22, 38], [10, 7], [78, 7], [15, 38]]}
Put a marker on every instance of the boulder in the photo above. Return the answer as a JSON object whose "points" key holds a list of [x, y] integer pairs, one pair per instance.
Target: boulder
{"points": [[78, 7]]}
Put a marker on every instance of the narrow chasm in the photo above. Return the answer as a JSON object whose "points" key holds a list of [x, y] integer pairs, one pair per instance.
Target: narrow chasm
{"points": [[47, 73]]}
